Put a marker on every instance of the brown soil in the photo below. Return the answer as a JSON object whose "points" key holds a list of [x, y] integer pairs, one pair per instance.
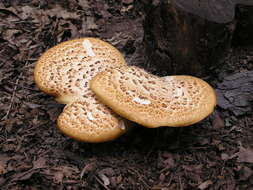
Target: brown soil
{"points": [[214, 154]]}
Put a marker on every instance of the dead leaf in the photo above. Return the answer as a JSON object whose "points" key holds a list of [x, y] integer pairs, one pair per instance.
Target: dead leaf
{"points": [[89, 24], [193, 168], [225, 156], [217, 121], [59, 12], [40, 163], [67, 171], [245, 173], [3, 161], [205, 184], [127, 2], [2, 181], [119, 179], [26, 12], [162, 177], [2, 169], [24, 175], [58, 177], [88, 168], [61, 172], [53, 113], [169, 162], [9, 11], [104, 178], [32, 105], [74, 30], [84, 4], [245, 155], [108, 171], [9, 34]]}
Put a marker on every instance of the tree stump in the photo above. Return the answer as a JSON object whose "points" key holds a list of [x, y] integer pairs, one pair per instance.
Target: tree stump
{"points": [[244, 27], [187, 37]]}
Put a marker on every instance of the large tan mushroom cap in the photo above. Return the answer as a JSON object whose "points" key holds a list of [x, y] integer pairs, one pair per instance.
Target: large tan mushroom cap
{"points": [[65, 71], [153, 101]]}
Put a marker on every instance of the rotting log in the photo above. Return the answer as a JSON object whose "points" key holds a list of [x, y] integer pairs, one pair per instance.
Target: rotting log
{"points": [[235, 93], [187, 37]]}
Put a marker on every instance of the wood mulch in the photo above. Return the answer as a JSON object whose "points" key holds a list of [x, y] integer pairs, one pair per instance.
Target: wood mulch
{"points": [[215, 154]]}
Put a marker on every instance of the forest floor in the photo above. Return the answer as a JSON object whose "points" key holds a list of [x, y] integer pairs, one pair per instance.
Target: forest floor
{"points": [[214, 154]]}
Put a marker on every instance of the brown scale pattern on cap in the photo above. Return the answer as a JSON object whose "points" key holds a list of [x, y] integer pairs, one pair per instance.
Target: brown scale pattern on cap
{"points": [[65, 71], [90, 122], [153, 101]]}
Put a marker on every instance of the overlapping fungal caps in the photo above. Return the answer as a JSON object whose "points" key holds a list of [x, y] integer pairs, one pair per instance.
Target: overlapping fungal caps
{"points": [[64, 72], [152, 101]]}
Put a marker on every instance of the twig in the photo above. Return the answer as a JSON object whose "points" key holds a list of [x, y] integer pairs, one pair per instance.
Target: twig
{"points": [[101, 183], [27, 88], [12, 96], [180, 183], [133, 171], [170, 180]]}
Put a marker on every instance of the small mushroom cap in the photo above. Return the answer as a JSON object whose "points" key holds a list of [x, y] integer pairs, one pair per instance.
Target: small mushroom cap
{"points": [[90, 121], [152, 101], [65, 71]]}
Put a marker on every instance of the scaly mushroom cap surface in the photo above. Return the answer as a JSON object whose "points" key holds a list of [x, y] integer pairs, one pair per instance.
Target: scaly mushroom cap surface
{"points": [[64, 72], [153, 101], [88, 121]]}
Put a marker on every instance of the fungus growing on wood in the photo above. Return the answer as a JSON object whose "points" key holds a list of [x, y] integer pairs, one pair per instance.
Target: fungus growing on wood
{"points": [[153, 101]]}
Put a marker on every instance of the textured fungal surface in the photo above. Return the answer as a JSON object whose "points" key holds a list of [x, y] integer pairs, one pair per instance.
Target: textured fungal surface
{"points": [[153, 101], [90, 122], [65, 71]]}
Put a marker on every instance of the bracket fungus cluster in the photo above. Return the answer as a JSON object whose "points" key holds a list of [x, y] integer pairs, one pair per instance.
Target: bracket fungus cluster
{"points": [[153, 101], [102, 93], [64, 72]]}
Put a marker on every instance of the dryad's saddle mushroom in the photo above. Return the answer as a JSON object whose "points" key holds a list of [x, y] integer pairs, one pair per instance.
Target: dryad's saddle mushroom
{"points": [[64, 72], [153, 101]]}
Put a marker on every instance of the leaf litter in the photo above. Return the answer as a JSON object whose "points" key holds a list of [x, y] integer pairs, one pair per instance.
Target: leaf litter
{"points": [[214, 154]]}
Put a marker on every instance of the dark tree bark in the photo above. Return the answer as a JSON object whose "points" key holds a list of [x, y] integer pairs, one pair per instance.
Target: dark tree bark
{"points": [[244, 28], [235, 93], [187, 37]]}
